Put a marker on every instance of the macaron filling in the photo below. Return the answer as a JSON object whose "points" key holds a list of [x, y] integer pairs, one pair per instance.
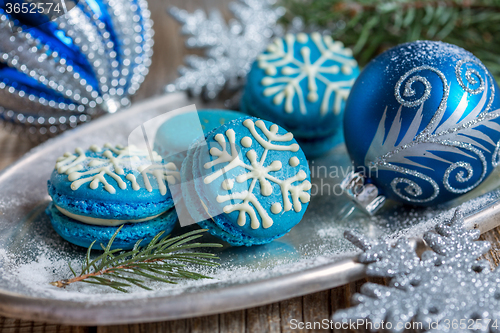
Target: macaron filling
{"points": [[102, 222]]}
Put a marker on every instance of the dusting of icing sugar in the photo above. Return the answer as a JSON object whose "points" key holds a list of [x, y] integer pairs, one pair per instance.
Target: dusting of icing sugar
{"points": [[257, 172], [35, 275], [111, 163], [287, 87]]}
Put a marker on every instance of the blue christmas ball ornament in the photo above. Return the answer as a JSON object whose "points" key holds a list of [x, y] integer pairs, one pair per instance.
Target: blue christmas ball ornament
{"points": [[421, 126]]}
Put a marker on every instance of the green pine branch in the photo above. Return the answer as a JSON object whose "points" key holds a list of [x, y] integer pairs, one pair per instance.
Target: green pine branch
{"points": [[163, 259], [371, 27]]}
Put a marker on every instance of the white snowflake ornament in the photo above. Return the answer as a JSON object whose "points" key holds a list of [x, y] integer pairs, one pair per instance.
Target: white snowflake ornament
{"points": [[230, 48]]}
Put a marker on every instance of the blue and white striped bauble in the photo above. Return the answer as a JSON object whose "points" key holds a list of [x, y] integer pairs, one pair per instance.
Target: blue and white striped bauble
{"points": [[74, 67]]}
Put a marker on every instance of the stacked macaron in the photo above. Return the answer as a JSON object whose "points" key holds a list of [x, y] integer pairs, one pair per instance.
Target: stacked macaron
{"points": [[301, 82], [251, 181], [97, 190]]}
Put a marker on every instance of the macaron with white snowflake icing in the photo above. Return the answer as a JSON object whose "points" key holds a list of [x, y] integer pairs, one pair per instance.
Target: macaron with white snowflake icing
{"points": [[95, 191], [174, 136], [301, 82], [251, 182]]}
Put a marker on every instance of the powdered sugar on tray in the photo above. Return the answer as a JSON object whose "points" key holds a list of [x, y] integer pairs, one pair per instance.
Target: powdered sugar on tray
{"points": [[32, 255], [47, 258], [34, 277]]}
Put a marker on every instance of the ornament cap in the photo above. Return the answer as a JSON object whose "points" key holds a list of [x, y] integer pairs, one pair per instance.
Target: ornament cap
{"points": [[365, 196]]}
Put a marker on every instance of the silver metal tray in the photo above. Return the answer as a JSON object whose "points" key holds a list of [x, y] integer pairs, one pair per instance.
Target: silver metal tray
{"points": [[314, 256]]}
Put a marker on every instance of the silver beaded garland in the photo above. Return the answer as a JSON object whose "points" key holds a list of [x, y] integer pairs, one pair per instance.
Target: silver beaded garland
{"points": [[118, 75]]}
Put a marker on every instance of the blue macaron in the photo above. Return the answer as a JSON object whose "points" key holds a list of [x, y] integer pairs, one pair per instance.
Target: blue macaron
{"points": [[84, 235], [301, 82], [251, 182], [95, 191], [176, 134]]}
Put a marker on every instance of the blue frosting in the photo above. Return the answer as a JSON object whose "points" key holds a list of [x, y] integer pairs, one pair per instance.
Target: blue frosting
{"points": [[225, 225], [82, 234], [271, 72], [125, 203]]}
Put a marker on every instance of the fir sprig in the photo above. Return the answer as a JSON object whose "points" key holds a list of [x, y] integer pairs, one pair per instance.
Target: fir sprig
{"points": [[164, 259], [370, 27]]}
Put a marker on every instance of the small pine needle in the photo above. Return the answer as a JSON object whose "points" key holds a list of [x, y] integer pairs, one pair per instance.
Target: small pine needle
{"points": [[162, 259], [370, 27]]}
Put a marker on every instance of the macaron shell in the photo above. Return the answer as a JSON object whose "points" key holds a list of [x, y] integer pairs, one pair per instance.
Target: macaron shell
{"points": [[217, 225], [176, 134], [282, 221], [313, 121], [191, 199], [124, 206], [214, 229], [142, 195], [312, 145], [209, 217], [96, 188], [320, 146], [83, 235], [195, 203]]}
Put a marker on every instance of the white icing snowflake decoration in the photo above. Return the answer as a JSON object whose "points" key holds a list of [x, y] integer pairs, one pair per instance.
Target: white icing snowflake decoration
{"points": [[247, 202], [285, 85], [113, 166]]}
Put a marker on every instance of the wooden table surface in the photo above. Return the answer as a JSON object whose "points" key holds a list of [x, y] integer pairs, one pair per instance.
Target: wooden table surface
{"points": [[168, 54]]}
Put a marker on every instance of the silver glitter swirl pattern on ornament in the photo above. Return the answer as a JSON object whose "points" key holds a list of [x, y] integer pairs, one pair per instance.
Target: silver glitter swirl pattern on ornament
{"points": [[436, 136]]}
